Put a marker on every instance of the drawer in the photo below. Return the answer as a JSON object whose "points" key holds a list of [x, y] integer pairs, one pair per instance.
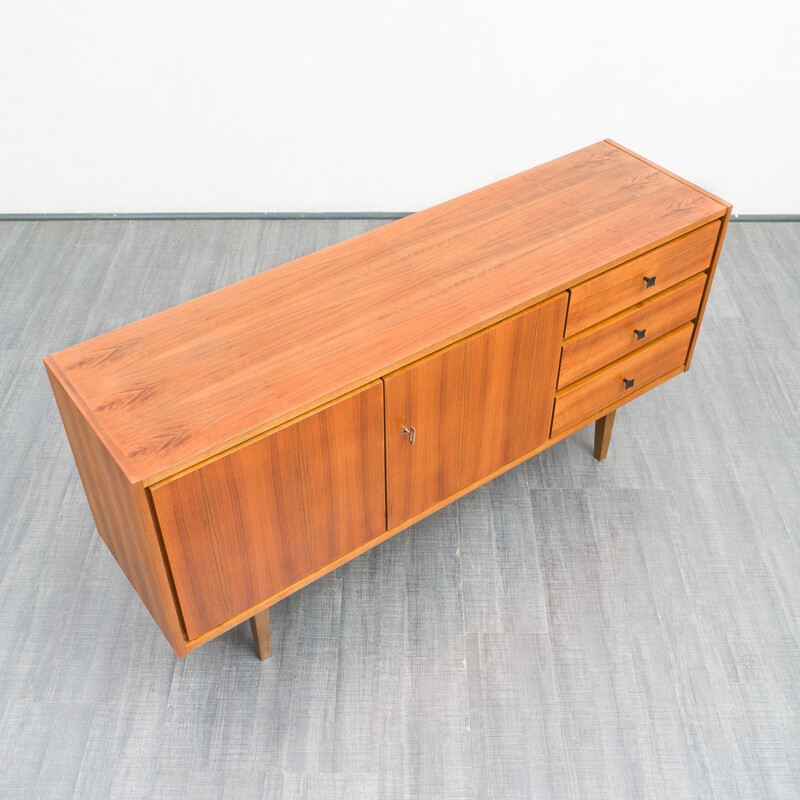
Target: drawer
{"points": [[610, 385], [630, 330], [640, 278]]}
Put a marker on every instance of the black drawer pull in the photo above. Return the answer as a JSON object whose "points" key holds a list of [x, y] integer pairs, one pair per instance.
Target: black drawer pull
{"points": [[628, 383], [640, 333], [650, 281]]}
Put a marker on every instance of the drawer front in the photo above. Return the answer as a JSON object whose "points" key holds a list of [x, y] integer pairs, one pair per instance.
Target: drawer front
{"points": [[241, 528], [640, 278], [610, 385], [630, 330]]}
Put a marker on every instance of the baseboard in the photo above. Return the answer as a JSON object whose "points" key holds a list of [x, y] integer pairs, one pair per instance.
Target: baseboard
{"points": [[209, 215], [765, 217], [191, 215]]}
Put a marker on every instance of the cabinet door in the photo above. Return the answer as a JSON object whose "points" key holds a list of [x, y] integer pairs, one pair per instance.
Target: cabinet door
{"points": [[241, 528], [458, 415]]}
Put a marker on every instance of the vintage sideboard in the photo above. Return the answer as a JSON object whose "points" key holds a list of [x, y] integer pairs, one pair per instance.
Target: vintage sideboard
{"points": [[238, 446]]}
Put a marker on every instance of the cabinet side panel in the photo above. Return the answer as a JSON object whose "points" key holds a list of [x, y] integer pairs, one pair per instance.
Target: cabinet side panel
{"points": [[122, 515], [714, 261], [243, 527]]}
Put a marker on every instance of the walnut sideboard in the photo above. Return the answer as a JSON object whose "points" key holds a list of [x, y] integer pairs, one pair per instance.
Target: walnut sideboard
{"points": [[238, 446]]}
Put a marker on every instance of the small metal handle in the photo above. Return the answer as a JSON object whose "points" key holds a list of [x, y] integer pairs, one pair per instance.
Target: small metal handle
{"points": [[411, 432], [650, 281], [628, 383], [640, 333]]}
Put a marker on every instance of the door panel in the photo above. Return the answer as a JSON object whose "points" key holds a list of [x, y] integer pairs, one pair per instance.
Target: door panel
{"points": [[471, 408], [253, 522]]}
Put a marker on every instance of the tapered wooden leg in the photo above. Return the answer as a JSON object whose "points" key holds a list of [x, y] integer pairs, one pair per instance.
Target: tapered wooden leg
{"points": [[602, 435], [259, 624]]}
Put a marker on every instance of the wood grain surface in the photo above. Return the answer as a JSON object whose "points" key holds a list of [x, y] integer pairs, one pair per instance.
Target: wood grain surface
{"points": [[609, 340], [123, 519], [193, 380], [606, 386], [246, 525], [262, 637], [472, 408], [599, 298]]}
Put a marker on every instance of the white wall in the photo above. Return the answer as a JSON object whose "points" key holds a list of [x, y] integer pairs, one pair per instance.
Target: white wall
{"points": [[367, 106]]}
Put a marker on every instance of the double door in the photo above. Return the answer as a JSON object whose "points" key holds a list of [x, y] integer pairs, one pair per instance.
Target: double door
{"points": [[271, 513]]}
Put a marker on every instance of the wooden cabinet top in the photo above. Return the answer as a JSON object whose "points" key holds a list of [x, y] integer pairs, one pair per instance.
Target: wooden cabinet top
{"points": [[170, 390]]}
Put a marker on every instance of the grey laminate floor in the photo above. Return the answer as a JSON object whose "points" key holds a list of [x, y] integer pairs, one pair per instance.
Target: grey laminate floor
{"points": [[628, 629]]}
